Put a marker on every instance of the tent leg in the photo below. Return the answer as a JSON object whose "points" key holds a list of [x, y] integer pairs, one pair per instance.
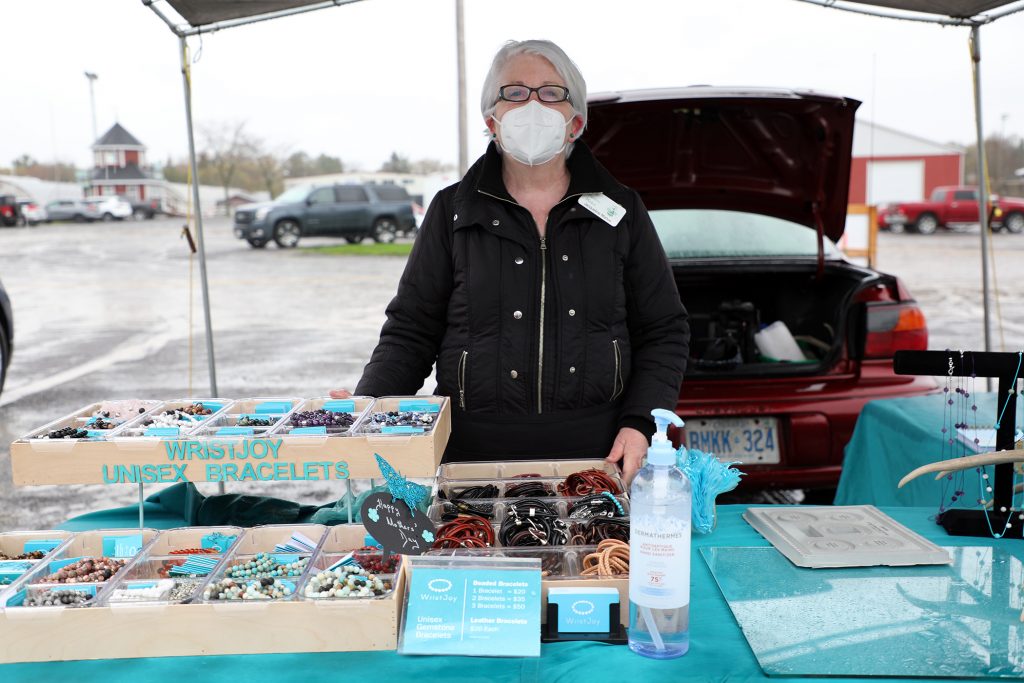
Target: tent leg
{"points": [[186, 81], [983, 199]]}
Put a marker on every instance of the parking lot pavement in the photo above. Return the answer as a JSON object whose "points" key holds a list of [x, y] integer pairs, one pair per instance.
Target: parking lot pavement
{"points": [[103, 311]]}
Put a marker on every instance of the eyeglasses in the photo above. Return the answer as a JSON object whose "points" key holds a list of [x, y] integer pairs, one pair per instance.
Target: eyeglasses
{"points": [[521, 93]]}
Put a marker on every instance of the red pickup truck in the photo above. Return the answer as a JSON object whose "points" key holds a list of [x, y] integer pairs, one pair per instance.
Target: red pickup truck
{"points": [[951, 207]]}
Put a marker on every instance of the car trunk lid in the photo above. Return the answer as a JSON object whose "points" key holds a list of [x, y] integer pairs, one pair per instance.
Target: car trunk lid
{"points": [[774, 152]]}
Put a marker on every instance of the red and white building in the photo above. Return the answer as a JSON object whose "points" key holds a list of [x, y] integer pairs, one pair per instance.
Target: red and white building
{"points": [[120, 168], [893, 166]]}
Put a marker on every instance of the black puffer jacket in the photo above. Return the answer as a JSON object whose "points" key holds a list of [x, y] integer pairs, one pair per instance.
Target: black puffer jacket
{"points": [[546, 346]]}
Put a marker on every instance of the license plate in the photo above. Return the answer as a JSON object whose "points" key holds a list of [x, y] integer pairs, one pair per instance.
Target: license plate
{"points": [[748, 440]]}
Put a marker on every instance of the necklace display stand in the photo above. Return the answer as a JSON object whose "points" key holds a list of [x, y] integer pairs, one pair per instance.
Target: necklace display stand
{"points": [[1006, 367]]}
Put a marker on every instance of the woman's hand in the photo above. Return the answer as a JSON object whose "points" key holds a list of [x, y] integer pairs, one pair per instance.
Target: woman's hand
{"points": [[629, 447], [341, 393]]}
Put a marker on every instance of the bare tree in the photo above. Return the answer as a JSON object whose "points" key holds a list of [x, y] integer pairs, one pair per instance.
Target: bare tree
{"points": [[228, 146]]}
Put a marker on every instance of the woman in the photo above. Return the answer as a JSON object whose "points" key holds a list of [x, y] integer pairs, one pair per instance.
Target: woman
{"points": [[539, 287]]}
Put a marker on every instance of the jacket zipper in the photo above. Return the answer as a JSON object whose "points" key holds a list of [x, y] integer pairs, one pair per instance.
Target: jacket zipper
{"points": [[543, 284], [617, 384], [540, 345], [462, 379]]}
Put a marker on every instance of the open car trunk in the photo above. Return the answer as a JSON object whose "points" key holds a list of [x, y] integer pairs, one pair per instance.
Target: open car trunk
{"points": [[729, 304]]}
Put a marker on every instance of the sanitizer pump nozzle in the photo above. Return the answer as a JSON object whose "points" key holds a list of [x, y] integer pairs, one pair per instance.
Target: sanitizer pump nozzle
{"points": [[661, 452]]}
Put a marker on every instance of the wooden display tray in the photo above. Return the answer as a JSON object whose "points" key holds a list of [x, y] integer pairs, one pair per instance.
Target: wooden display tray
{"points": [[299, 458], [43, 634]]}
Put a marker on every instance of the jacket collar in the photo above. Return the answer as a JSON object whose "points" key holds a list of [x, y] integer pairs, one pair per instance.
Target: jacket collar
{"points": [[586, 175]]}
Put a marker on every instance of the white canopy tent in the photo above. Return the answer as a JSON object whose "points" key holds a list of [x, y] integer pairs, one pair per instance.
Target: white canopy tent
{"points": [[208, 16]]}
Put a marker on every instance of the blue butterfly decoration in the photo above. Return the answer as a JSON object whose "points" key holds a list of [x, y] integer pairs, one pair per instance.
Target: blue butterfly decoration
{"points": [[400, 488]]}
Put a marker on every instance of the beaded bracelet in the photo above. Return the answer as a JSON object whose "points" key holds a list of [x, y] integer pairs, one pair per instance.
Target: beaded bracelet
{"points": [[32, 555], [264, 565], [62, 598], [86, 570], [194, 551], [466, 531], [373, 559], [587, 482], [611, 559], [602, 504]]}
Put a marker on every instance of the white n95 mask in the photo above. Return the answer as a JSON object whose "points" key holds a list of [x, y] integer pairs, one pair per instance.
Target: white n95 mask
{"points": [[532, 134]]}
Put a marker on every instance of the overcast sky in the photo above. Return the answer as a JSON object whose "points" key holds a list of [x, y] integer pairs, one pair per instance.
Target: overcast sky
{"points": [[362, 80]]}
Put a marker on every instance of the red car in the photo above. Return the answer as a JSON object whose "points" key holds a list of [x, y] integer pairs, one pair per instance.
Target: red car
{"points": [[748, 191], [950, 207]]}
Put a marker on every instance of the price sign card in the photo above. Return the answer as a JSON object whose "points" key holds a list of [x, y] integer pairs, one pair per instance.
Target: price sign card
{"points": [[482, 606]]}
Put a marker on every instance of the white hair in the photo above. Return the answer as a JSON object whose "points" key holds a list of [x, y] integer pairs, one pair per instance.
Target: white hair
{"points": [[565, 67]]}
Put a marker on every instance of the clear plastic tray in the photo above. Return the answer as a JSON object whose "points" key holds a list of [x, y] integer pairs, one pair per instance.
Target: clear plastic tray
{"points": [[225, 425], [14, 543], [171, 541], [506, 469], [83, 418], [499, 506], [224, 570], [270, 538], [428, 405], [122, 544], [323, 561], [147, 426], [289, 428], [556, 563], [18, 600]]}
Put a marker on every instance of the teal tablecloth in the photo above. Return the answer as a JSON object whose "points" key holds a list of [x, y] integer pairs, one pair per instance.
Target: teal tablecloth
{"points": [[718, 650], [895, 436]]}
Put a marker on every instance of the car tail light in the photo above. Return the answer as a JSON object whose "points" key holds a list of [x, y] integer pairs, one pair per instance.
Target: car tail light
{"points": [[894, 321]]}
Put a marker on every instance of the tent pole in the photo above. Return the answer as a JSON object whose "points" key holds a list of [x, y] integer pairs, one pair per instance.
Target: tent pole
{"points": [[460, 50], [983, 199], [186, 80]]}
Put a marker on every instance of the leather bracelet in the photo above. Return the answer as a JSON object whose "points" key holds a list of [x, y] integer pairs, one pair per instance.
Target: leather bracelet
{"points": [[542, 530], [466, 531], [529, 488], [451, 510], [598, 529], [611, 559], [602, 504], [588, 482], [470, 492]]}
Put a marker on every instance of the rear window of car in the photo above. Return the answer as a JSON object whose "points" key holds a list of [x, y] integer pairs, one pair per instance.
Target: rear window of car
{"points": [[713, 233], [391, 193]]}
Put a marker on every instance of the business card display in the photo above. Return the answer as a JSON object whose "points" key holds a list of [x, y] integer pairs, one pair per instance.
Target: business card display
{"points": [[472, 606]]}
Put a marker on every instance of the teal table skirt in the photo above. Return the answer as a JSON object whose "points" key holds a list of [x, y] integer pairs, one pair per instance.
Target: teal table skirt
{"points": [[895, 436], [718, 650]]}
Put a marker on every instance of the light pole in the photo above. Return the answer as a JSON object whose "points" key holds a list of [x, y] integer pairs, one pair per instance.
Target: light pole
{"points": [[92, 101]]}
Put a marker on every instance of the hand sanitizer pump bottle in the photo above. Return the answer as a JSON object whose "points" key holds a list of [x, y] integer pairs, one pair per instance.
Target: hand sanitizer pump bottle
{"points": [[659, 550]]}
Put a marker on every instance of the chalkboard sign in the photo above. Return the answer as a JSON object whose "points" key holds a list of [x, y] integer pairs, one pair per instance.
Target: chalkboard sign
{"points": [[397, 528]]}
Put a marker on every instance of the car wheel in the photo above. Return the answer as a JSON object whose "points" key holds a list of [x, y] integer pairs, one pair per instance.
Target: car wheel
{"points": [[354, 239], [257, 244], [384, 231], [897, 228], [926, 224], [107, 217], [1014, 222], [287, 233], [78, 218], [139, 215]]}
